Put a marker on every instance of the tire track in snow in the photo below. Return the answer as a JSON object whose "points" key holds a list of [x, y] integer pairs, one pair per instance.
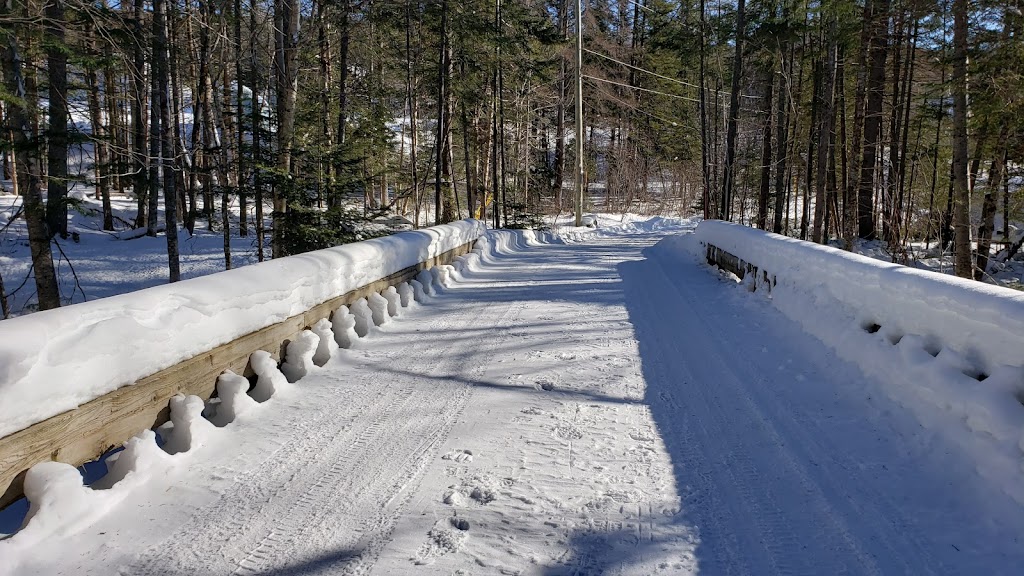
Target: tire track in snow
{"points": [[590, 519], [296, 518], [758, 453], [728, 435], [876, 514], [349, 469], [387, 508]]}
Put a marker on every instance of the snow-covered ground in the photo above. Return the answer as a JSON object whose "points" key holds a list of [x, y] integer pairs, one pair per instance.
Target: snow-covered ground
{"points": [[102, 263], [604, 405], [931, 257]]}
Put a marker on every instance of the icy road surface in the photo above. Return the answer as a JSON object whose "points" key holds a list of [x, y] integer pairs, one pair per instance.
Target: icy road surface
{"points": [[603, 407]]}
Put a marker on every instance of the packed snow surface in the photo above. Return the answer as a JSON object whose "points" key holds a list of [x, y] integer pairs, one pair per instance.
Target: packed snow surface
{"points": [[56, 360], [597, 404]]}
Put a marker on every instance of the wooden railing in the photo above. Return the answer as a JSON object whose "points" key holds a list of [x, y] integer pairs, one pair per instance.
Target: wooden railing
{"points": [[85, 433], [731, 263]]}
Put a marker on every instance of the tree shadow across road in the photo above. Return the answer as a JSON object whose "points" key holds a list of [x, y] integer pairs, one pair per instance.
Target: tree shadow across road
{"points": [[786, 458]]}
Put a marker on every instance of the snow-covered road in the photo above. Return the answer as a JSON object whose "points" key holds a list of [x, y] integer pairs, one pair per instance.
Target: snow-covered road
{"points": [[600, 407]]}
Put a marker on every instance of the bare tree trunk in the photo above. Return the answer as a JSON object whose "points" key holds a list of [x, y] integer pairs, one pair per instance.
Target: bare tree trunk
{"points": [[495, 182], [1006, 209], [563, 98], [101, 145], [485, 164], [961, 185], [470, 184], [203, 133], [410, 88], [934, 222], [186, 191], [5, 307], [725, 210], [341, 133], [450, 202], [908, 93], [228, 165], [116, 143], [501, 140], [286, 14], [162, 101], [832, 189], [843, 178], [21, 124], [57, 126], [9, 154], [876, 23], [705, 151], [766, 154], [852, 203], [890, 228], [996, 174], [240, 178], [442, 108], [781, 144], [139, 144], [257, 127], [805, 212], [155, 141], [827, 95]]}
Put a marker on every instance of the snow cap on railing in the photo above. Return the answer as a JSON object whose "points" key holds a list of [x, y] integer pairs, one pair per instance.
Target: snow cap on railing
{"points": [[985, 323], [56, 360]]}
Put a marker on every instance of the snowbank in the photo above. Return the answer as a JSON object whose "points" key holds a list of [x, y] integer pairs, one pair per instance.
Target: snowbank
{"points": [[54, 361], [983, 323], [947, 349], [607, 225]]}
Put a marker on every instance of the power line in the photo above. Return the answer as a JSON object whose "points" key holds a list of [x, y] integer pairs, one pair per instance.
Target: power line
{"points": [[636, 108], [744, 109], [606, 57], [687, 98], [645, 71], [642, 7]]}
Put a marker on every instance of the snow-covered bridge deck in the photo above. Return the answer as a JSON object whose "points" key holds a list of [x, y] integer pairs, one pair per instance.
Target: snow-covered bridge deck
{"points": [[608, 406]]}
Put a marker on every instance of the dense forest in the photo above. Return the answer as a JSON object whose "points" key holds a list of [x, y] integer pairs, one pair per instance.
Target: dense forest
{"points": [[291, 121]]}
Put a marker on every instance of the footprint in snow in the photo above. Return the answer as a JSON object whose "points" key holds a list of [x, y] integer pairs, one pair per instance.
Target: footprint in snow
{"points": [[642, 436], [546, 385], [625, 496], [484, 488], [484, 494], [568, 432], [453, 497], [459, 456], [446, 537]]}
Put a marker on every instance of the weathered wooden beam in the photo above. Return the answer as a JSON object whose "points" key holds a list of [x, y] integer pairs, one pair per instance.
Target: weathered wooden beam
{"points": [[85, 433], [728, 262]]}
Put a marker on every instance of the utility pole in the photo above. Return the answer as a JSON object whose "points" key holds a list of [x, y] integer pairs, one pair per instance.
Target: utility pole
{"points": [[579, 113]]}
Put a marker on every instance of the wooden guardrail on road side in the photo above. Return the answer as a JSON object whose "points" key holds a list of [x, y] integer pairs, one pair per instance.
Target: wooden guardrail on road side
{"points": [[730, 263], [85, 433]]}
